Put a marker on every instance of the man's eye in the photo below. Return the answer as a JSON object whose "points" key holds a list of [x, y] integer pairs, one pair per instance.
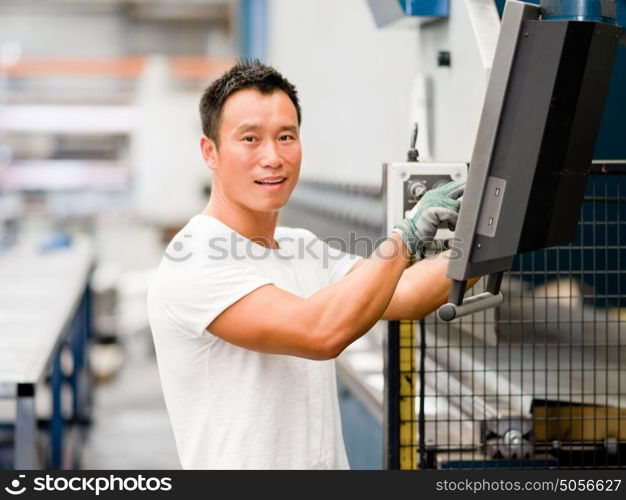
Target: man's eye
{"points": [[249, 138], [286, 138]]}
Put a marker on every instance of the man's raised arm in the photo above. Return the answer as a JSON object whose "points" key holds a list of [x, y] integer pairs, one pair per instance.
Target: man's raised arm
{"points": [[272, 320]]}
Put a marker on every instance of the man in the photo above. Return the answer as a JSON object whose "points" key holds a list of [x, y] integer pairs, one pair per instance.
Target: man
{"points": [[248, 317]]}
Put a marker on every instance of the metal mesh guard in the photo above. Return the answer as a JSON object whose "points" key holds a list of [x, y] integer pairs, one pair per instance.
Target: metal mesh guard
{"points": [[540, 381]]}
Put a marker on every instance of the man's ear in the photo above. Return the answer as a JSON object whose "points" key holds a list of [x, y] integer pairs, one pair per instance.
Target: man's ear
{"points": [[209, 152]]}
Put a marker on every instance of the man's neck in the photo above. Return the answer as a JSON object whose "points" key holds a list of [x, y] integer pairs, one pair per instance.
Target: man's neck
{"points": [[256, 226]]}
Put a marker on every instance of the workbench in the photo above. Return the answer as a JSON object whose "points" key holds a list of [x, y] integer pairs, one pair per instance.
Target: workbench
{"points": [[45, 314]]}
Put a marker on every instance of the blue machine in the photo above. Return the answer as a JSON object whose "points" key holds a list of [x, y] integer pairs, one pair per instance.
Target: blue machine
{"points": [[610, 145], [386, 11]]}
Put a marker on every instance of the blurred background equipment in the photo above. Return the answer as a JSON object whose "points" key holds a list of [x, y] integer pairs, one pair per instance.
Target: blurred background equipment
{"points": [[98, 148]]}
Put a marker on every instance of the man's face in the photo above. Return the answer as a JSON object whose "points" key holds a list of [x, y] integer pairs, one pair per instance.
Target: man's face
{"points": [[258, 160]]}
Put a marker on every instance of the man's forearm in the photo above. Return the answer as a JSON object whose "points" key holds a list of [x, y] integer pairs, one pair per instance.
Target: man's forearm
{"points": [[349, 308], [422, 288]]}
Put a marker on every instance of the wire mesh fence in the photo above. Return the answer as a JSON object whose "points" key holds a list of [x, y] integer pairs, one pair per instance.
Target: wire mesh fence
{"points": [[539, 382]]}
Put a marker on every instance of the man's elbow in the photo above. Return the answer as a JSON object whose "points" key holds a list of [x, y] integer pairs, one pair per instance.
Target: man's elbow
{"points": [[332, 344], [327, 338], [327, 350]]}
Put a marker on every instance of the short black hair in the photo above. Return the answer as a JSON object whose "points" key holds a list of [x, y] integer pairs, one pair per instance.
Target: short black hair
{"points": [[243, 75]]}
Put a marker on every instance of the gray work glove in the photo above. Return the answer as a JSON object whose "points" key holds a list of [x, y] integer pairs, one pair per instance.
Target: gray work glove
{"points": [[436, 206]]}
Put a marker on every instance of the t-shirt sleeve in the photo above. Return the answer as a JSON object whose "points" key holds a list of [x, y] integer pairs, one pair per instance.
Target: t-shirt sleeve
{"points": [[336, 260], [341, 266], [195, 294]]}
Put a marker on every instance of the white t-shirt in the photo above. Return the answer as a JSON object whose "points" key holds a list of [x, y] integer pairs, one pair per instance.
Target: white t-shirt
{"points": [[232, 407]]}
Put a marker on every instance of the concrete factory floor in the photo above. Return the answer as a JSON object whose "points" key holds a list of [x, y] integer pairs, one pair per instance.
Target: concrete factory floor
{"points": [[131, 428]]}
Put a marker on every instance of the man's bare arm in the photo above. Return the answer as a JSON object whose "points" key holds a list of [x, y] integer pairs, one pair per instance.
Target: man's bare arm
{"points": [[271, 320]]}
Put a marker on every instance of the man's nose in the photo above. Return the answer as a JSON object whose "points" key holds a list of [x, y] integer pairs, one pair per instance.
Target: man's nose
{"points": [[271, 156]]}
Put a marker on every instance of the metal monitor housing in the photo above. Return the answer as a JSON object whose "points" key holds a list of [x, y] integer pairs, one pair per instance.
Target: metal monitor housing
{"points": [[534, 146]]}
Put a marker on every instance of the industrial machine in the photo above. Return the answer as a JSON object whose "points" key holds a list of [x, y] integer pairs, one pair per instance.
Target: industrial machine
{"points": [[523, 370]]}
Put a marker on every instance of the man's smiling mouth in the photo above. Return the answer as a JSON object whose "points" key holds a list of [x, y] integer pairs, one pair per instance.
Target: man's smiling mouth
{"points": [[272, 181]]}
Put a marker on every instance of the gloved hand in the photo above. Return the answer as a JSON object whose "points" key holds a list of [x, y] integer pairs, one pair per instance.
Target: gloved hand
{"points": [[437, 205]]}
